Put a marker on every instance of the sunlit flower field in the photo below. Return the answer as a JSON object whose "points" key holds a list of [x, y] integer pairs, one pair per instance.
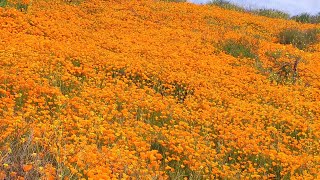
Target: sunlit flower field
{"points": [[146, 89]]}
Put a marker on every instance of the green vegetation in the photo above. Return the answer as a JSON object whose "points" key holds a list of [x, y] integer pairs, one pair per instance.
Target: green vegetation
{"points": [[281, 72], [307, 18], [19, 5], [3, 3], [298, 38], [23, 151], [238, 49], [226, 5], [272, 13]]}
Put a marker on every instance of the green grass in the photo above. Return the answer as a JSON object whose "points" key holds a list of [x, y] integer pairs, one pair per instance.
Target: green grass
{"points": [[299, 39], [23, 151], [19, 5], [3, 3], [272, 13], [226, 5], [238, 49], [307, 18]]}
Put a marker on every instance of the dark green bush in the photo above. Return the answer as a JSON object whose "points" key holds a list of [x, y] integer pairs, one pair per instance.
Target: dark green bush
{"points": [[303, 18], [238, 49], [272, 13], [307, 18], [298, 38]]}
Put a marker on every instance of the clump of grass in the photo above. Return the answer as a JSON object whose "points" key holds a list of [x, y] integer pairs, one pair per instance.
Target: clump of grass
{"points": [[303, 18], [19, 5], [3, 3], [22, 6], [226, 5], [238, 49], [298, 38], [307, 18], [272, 13]]}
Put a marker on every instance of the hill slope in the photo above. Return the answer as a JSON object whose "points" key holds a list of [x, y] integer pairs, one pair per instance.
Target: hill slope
{"points": [[148, 89]]}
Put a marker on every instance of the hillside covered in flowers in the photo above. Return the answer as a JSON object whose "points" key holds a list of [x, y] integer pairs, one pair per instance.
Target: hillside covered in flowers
{"points": [[146, 89]]}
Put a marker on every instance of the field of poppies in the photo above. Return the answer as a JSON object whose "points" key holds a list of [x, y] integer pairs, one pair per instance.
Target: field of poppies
{"points": [[146, 89]]}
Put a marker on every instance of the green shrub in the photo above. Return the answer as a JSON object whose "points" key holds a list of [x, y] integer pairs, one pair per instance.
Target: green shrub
{"points": [[298, 38], [272, 13], [226, 5], [303, 18], [238, 49], [307, 18], [316, 19], [3, 3]]}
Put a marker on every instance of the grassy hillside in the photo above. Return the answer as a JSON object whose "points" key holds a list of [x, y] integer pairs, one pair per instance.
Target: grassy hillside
{"points": [[132, 89]]}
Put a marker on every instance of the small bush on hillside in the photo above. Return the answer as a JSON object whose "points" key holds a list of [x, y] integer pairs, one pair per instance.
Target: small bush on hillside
{"points": [[316, 18], [298, 38], [272, 13], [226, 5], [307, 18], [303, 18], [238, 49]]}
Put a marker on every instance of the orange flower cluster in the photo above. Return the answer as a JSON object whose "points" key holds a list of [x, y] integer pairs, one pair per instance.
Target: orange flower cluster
{"points": [[140, 90]]}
